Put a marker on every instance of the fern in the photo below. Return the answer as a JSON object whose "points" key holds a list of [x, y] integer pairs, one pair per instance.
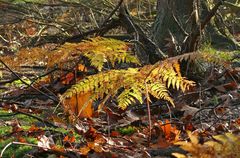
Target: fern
{"points": [[98, 50], [128, 85], [227, 145], [129, 96], [156, 79], [135, 82], [159, 91]]}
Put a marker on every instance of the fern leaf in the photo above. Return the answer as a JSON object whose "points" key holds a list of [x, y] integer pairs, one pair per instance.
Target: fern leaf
{"points": [[129, 96], [159, 90], [159, 78], [98, 50]]}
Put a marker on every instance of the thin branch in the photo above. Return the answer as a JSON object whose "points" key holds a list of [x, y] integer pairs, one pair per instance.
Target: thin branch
{"points": [[149, 113], [37, 118], [18, 112], [15, 74], [112, 13], [211, 14], [58, 152]]}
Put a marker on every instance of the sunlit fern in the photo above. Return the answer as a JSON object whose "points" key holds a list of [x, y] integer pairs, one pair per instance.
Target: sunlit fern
{"points": [[98, 50], [135, 82]]}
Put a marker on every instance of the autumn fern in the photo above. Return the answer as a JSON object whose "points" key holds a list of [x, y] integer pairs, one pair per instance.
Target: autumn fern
{"points": [[98, 50], [134, 82]]}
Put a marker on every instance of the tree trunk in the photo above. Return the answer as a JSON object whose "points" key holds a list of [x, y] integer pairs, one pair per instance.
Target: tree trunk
{"points": [[179, 25], [175, 19]]}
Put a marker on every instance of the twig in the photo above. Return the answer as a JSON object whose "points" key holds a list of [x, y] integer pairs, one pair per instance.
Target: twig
{"points": [[191, 42], [65, 153], [140, 36], [19, 143], [112, 13], [15, 74], [17, 112], [113, 24], [9, 115], [179, 25], [211, 14], [149, 114]]}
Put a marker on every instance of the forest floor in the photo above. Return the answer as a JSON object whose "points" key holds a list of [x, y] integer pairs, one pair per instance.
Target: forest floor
{"points": [[33, 123]]}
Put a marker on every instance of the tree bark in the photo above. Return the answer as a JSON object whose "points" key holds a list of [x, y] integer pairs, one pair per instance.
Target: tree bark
{"points": [[175, 18], [180, 25]]}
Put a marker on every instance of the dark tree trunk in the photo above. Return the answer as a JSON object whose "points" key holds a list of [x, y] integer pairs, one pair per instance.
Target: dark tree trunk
{"points": [[180, 24], [175, 20]]}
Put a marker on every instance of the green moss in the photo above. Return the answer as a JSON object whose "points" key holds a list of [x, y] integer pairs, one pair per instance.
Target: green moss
{"points": [[4, 130], [23, 119], [16, 150], [221, 54], [20, 83], [127, 130], [26, 122]]}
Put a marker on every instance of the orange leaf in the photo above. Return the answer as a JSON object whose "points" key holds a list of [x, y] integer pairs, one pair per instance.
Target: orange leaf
{"points": [[57, 148], [95, 146], [166, 129], [66, 138], [33, 128], [80, 105], [72, 139], [68, 78], [21, 139], [99, 139], [115, 134], [82, 68], [84, 150], [170, 131]]}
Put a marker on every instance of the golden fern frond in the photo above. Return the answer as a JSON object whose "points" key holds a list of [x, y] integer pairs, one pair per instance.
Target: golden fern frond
{"points": [[227, 145], [104, 83], [168, 72], [98, 50], [110, 49], [135, 81], [129, 96], [159, 91]]}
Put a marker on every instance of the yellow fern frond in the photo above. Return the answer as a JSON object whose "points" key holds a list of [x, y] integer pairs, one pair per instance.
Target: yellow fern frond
{"points": [[129, 96], [98, 50], [168, 72], [159, 91], [135, 82], [104, 83]]}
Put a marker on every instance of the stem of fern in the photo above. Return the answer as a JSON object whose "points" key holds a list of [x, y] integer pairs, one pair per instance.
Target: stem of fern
{"points": [[149, 114]]}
